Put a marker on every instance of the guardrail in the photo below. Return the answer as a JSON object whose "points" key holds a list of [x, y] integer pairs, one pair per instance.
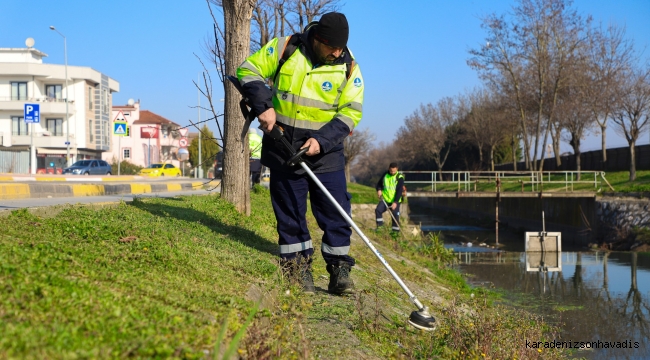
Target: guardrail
{"points": [[534, 181]]}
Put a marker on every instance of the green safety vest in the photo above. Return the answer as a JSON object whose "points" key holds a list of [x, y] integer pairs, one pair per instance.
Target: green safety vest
{"points": [[304, 97], [390, 187], [255, 144]]}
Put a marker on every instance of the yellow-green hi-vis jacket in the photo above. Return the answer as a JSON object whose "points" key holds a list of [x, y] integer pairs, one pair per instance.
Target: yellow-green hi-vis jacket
{"points": [[310, 100]]}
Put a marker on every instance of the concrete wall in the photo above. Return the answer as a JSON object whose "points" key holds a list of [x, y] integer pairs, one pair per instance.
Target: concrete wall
{"points": [[581, 220], [574, 217], [364, 215]]}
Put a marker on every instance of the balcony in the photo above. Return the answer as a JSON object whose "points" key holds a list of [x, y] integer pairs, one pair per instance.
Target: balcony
{"points": [[42, 140], [49, 106]]}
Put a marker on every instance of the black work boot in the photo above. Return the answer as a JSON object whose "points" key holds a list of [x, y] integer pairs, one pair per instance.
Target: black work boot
{"points": [[307, 281], [340, 281], [299, 271]]}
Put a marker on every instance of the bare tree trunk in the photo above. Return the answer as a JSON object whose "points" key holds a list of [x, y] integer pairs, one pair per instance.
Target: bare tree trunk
{"points": [[604, 138], [513, 145], [632, 160], [492, 158], [575, 143], [235, 184]]}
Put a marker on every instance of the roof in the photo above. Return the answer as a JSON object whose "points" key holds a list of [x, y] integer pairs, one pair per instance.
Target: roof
{"points": [[147, 117]]}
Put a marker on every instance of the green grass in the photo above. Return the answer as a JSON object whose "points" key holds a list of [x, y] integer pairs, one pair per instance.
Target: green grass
{"points": [[362, 194], [620, 181], [151, 279], [183, 277]]}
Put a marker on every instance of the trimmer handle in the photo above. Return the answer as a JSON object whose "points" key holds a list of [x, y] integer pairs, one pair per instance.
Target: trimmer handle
{"points": [[277, 134]]}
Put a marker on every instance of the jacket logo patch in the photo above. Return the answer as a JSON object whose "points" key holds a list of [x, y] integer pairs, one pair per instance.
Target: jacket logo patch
{"points": [[357, 82], [327, 86], [270, 51]]}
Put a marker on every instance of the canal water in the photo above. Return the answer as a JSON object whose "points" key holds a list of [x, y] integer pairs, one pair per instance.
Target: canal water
{"points": [[596, 295]]}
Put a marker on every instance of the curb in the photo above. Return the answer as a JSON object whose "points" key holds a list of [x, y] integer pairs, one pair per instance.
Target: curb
{"points": [[44, 190]]}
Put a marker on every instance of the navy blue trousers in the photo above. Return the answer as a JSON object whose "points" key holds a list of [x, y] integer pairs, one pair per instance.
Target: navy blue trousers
{"points": [[289, 199], [381, 208]]}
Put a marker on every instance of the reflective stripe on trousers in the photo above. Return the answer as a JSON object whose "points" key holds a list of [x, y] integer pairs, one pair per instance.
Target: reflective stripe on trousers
{"points": [[289, 199]]}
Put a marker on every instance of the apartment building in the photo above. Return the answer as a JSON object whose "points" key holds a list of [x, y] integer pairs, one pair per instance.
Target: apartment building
{"points": [[150, 139], [25, 78]]}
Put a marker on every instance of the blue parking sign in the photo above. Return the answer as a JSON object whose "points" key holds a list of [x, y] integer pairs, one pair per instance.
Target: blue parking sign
{"points": [[32, 113]]}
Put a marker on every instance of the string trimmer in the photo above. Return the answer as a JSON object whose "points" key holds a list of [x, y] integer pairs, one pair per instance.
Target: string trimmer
{"points": [[421, 318]]}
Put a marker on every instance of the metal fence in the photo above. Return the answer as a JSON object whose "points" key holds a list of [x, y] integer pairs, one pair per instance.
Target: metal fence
{"points": [[435, 181], [16, 162]]}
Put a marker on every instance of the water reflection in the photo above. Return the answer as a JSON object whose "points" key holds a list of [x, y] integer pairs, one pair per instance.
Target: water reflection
{"points": [[596, 296]]}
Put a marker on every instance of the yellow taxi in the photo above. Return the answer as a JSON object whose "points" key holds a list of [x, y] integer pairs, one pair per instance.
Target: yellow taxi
{"points": [[160, 170]]}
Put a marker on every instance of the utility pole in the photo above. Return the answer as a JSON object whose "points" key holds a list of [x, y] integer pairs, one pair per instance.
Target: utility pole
{"points": [[67, 95], [199, 171]]}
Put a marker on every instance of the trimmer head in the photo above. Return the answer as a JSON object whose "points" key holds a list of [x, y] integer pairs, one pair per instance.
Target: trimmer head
{"points": [[422, 320]]}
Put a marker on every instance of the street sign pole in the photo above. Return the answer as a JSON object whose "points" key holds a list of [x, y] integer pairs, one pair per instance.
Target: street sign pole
{"points": [[31, 115], [31, 149], [119, 155]]}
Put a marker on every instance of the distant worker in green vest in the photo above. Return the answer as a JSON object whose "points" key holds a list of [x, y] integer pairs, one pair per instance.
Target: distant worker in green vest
{"points": [[255, 144], [389, 190]]}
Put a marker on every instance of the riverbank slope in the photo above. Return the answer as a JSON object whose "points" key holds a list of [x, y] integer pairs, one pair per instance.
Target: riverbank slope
{"points": [[187, 277]]}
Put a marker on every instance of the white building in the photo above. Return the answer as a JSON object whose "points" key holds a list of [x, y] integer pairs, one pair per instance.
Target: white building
{"points": [[151, 138], [24, 78]]}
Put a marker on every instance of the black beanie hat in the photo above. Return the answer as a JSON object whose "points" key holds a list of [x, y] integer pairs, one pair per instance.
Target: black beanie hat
{"points": [[333, 30]]}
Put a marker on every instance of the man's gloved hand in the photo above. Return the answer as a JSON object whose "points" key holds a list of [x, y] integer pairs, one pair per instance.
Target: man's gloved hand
{"points": [[314, 147], [267, 119]]}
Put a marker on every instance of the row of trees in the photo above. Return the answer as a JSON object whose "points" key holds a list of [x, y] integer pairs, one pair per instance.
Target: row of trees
{"points": [[546, 73]]}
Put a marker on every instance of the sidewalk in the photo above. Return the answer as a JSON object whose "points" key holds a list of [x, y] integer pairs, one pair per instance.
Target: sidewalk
{"points": [[76, 178], [27, 187]]}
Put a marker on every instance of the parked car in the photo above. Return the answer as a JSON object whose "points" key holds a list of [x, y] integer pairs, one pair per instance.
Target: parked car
{"points": [[161, 170], [89, 167]]}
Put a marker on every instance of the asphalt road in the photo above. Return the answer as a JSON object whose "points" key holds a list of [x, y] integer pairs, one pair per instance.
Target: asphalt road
{"points": [[8, 205]]}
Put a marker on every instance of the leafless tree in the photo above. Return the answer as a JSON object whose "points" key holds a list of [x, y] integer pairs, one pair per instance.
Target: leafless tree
{"points": [[373, 163], [486, 122], [426, 132], [358, 143], [632, 113], [235, 185], [574, 115], [609, 55], [532, 54]]}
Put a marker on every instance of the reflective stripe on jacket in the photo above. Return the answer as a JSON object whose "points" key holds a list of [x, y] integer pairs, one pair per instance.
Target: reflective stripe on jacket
{"points": [[310, 101]]}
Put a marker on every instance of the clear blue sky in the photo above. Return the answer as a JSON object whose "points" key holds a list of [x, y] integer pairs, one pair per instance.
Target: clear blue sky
{"points": [[410, 52]]}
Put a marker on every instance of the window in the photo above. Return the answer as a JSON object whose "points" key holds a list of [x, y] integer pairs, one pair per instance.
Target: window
{"points": [[91, 131], [18, 91], [18, 126], [55, 127], [126, 153], [53, 92], [105, 100], [90, 99]]}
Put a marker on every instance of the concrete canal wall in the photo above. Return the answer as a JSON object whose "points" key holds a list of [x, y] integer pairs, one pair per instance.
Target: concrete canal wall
{"points": [[581, 219]]}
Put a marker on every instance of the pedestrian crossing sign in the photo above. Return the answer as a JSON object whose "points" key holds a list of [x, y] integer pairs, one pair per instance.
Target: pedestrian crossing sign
{"points": [[119, 128]]}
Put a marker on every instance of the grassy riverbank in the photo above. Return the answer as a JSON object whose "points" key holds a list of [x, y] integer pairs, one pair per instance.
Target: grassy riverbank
{"points": [[159, 278]]}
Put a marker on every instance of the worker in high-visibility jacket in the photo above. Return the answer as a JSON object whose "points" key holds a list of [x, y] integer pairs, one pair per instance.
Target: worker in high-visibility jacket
{"points": [[255, 145], [389, 190], [316, 97]]}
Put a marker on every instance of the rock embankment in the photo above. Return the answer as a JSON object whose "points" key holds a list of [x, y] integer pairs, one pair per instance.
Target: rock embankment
{"points": [[622, 220]]}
